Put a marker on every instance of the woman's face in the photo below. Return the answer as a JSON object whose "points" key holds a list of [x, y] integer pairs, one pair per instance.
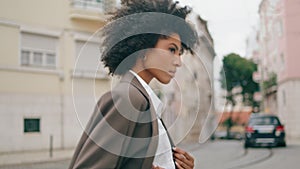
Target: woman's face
{"points": [[162, 61]]}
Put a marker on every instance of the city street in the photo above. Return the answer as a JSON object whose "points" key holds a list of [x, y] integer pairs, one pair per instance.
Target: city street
{"points": [[82, 73], [219, 154]]}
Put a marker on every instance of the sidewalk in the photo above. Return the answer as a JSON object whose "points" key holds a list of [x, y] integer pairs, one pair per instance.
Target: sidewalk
{"points": [[292, 141], [34, 157]]}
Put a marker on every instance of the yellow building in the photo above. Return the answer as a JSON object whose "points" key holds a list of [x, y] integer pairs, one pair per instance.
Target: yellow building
{"points": [[48, 71]]}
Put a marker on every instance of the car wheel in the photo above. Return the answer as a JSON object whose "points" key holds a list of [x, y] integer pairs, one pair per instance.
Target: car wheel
{"points": [[246, 145], [281, 144]]}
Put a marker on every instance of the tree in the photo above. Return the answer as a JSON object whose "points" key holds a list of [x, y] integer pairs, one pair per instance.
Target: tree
{"points": [[238, 73], [271, 81]]}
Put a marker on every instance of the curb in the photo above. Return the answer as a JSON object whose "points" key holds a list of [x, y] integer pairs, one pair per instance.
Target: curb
{"points": [[17, 158]]}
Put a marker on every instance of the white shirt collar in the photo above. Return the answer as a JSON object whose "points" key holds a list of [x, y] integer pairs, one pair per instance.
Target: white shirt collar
{"points": [[164, 156]]}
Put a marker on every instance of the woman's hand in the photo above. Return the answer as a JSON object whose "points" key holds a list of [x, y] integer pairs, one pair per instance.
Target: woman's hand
{"points": [[183, 160]]}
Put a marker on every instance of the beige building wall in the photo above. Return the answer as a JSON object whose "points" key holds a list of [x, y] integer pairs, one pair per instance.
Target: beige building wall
{"points": [[63, 96], [50, 27], [9, 44]]}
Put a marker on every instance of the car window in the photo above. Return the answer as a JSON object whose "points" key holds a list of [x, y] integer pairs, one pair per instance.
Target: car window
{"points": [[264, 121]]}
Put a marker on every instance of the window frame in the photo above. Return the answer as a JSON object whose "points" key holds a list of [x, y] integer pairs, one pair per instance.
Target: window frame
{"points": [[43, 33], [31, 120], [44, 53]]}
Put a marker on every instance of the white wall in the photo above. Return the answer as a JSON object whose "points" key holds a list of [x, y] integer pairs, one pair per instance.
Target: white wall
{"points": [[288, 106], [15, 107]]}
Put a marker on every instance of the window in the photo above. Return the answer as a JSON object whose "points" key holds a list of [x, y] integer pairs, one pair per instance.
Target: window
{"points": [[25, 57], [283, 98], [38, 58], [264, 121], [88, 59], [50, 59], [282, 59], [280, 28], [31, 125], [38, 50]]}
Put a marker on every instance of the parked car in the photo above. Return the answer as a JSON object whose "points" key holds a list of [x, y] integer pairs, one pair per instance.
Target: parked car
{"points": [[264, 130]]}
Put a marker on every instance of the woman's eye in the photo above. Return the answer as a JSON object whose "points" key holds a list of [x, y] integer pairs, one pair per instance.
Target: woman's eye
{"points": [[172, 50]]}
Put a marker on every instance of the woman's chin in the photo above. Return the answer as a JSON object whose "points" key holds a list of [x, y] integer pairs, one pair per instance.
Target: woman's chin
{"points": [[164, 80]]}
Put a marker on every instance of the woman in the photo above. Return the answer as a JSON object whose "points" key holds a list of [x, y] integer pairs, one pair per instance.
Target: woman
{"points": [[125, 130]]}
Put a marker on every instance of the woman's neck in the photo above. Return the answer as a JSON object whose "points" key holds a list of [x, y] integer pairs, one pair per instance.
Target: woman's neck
{"points": [[139, 69]]}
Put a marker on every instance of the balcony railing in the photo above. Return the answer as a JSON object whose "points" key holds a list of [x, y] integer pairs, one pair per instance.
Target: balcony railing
{"points": [[93, 5], [93, 10]]}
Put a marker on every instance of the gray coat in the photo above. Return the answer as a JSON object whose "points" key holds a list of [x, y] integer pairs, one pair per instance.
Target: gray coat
{"points": [[122, 132]]}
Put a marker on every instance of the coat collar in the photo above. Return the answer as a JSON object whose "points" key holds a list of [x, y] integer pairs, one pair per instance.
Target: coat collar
{"points": [[130, 78]]}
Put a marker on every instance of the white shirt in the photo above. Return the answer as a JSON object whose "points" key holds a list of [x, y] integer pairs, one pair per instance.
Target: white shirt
{"points": [[164, 156]]}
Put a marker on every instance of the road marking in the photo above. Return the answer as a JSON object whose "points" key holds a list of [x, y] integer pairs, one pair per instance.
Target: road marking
{"points": [[251, 163]]}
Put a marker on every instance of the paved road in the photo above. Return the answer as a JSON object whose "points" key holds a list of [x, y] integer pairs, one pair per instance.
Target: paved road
{"points": [[218, 155], [232, 155]]}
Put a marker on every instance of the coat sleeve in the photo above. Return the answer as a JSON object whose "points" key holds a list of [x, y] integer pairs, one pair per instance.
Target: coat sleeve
{"points": [[108, 135]]}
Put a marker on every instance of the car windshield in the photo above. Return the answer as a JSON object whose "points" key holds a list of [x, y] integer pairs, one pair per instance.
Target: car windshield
{"points": [[264, 121]]}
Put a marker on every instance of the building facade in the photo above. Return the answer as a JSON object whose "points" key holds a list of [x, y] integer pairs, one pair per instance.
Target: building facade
{"points": [[51, 77], [279, 39], [48, 65]]}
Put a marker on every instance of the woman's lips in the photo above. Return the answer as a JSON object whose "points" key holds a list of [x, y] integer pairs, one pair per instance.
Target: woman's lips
{"points": [[172, 73]]}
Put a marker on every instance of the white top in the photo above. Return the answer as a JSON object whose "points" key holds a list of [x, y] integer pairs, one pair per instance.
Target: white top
{"points": [[164, 156]]}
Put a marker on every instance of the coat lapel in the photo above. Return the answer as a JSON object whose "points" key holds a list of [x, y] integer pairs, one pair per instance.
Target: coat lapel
{"points": [[130, 78]]}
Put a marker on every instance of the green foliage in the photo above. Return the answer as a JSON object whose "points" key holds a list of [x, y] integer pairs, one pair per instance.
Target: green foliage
{"points": [[229, 122], [272, 81], [238, 73]]}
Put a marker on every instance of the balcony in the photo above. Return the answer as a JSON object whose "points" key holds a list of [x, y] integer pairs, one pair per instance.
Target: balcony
{"points": [[93, 10]]}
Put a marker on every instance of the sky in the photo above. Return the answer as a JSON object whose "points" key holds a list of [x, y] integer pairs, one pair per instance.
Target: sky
{"points": [[230, 23]]}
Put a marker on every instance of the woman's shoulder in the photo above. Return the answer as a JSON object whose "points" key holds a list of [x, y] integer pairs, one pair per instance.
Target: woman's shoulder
{"points": [[126, 93]]}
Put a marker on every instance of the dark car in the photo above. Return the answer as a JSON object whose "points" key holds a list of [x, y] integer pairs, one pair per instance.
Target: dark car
{"points": [[264, 130]]}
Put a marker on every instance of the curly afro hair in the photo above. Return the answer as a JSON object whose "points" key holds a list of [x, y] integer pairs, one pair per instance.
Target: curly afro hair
{"points": [[137, 26]]}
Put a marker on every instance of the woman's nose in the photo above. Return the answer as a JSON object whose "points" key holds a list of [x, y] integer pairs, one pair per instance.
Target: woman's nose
{"points": [[177, 61]]}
